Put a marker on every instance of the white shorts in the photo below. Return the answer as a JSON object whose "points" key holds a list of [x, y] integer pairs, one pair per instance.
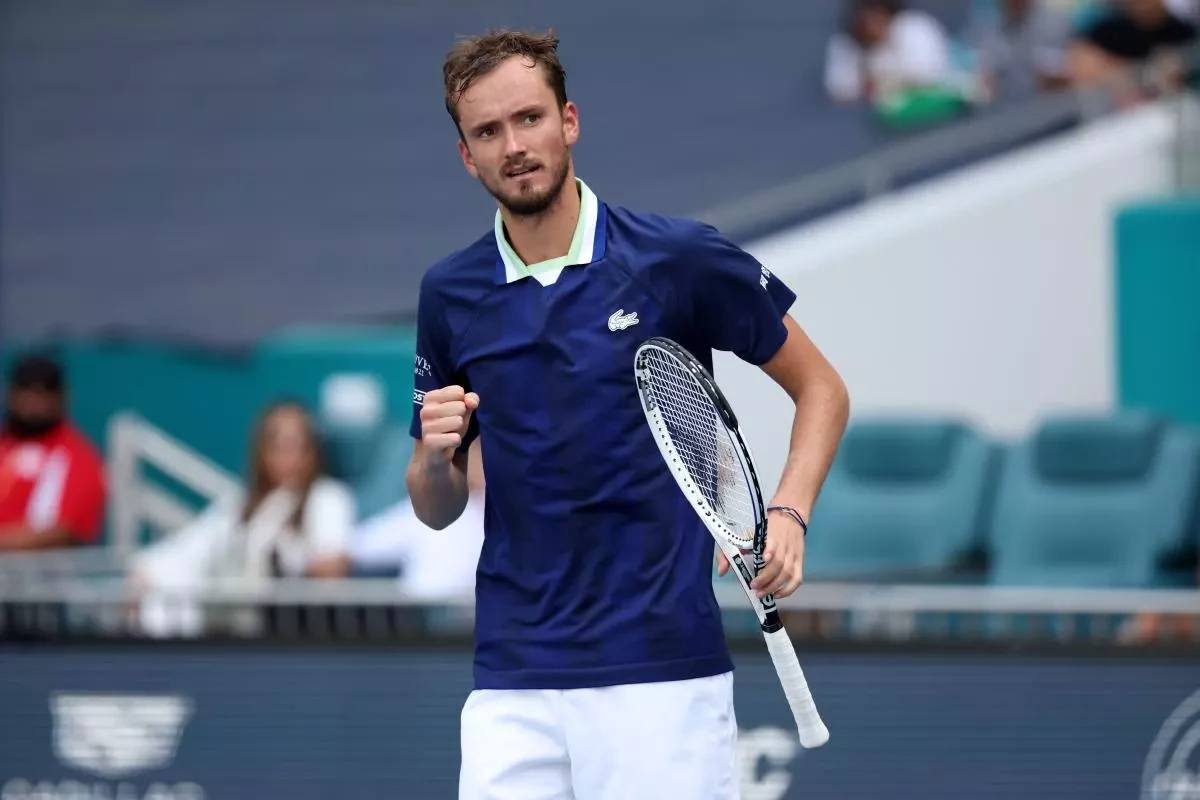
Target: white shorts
{"points": [[675, 740]]}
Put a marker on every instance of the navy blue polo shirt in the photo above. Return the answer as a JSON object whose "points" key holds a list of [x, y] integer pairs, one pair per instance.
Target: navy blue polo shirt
{"points": [[594, 571]]}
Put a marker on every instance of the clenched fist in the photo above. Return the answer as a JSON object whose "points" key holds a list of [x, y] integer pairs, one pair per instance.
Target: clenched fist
{"points": [[445, 415]]}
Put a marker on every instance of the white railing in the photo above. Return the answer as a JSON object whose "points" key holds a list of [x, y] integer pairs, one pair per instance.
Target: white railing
{"points": [[849, 597], [56, 606], [134, 501], [70, 562]]}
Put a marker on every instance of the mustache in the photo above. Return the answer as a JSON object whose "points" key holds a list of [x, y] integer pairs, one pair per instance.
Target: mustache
{"points": [[520, 164]]}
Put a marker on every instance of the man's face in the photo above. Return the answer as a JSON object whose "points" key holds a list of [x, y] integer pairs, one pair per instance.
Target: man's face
{"points": [[516, 139], [1017, 10], [1146, 12], [871, 26], [32, 412]]}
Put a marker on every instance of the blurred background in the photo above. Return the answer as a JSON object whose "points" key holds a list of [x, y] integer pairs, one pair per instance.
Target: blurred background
{"points": [[213, 220]]}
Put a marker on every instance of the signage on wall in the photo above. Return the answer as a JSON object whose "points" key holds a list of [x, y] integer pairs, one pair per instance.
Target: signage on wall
{"points": [[112, 739]]}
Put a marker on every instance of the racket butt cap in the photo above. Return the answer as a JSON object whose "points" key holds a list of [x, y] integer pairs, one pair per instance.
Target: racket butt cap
{"points": [[812, 739]]}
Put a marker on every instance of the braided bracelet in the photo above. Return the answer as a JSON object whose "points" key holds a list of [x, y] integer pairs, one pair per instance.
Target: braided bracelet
{"points": [[793, 513]]}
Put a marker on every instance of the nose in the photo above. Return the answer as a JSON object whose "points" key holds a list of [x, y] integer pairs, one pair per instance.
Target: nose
{"points": [[513, 146]]}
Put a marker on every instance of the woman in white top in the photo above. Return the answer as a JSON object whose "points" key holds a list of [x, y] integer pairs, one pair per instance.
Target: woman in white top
{"points": [[290, 521]]}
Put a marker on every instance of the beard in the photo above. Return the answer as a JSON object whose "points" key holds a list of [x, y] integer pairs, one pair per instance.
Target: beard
{"points": [[531, 204], [28, 427]]}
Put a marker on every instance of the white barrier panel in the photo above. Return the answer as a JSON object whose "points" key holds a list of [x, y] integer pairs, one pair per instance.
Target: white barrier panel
{"points": [[133, 500], [984, 295]]}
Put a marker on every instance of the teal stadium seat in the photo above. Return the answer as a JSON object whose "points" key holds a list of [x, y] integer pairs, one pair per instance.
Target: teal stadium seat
{"points": [[905, 498], [1095, 502], [372, 460]]}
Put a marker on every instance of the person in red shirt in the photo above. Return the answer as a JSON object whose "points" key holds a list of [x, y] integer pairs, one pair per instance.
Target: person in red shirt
{"points": [[52, 485]]}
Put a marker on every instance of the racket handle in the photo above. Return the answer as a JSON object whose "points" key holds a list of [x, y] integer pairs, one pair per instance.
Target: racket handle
{"points": [[813, 732]]}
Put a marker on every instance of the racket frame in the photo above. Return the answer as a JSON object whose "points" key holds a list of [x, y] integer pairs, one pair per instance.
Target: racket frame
{"points": [[764, 607], [812, 729]]}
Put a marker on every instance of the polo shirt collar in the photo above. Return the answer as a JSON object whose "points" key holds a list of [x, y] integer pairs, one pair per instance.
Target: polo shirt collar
{"points": [[587, 245]]}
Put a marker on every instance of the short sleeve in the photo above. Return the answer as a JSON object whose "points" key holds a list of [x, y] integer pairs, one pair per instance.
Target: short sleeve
{"points": [[329, 518], [843, 69], [433, 363], [70, 493], [737, 305], [83, 501], [1052, 33], [924, 50], [387, 538]]}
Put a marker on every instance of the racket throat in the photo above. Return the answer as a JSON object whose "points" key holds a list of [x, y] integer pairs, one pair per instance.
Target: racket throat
{"points": [[769, 616], [768, 601]]}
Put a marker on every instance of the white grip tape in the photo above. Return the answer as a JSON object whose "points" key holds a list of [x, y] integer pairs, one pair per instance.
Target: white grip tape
{"points": [[812, 730]]}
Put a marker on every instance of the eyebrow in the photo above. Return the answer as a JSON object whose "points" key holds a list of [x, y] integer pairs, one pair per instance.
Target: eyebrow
{"points": [[520, 112]]}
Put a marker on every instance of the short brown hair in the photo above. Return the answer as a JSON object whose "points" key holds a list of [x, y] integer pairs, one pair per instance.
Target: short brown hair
{"points": [[474, 57]]}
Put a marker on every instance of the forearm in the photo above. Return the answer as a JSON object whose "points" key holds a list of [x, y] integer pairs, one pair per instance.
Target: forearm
{"points": [[337, 566], [1088, 66], [23, 537], [438, 490], [822, 410]]}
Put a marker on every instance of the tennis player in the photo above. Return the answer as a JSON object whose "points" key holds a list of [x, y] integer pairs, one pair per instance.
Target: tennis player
{"points": [[601, 670]]}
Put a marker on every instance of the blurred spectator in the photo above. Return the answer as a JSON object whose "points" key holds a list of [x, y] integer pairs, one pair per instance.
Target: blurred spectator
{"points": [[1150, 628], [290, 521], [1021, 48], [1131, 33], [432, 564], [884, 48], [52, 484]]}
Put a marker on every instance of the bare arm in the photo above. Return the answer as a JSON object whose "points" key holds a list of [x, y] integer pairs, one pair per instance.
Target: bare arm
{"points": [[438, 487], [822, 410], [437, 472], [23, 537], [1088, 65]]}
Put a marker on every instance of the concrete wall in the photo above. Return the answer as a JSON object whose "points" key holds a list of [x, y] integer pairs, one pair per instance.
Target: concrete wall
{"points": [[985, 295]]}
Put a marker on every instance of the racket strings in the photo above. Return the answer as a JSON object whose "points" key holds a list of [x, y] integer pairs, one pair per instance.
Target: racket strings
{"points": [[709, 455]]}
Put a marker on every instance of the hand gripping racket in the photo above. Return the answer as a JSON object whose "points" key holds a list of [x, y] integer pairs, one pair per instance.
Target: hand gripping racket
{"points": [[697, 434]]}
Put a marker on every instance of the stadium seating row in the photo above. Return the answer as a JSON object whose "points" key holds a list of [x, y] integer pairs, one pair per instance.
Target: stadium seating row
{"points": [[1109, 501], [1081, 502]]}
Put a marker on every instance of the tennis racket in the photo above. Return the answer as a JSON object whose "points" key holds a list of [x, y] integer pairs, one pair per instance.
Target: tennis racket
{"points": [[697, 434]]}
